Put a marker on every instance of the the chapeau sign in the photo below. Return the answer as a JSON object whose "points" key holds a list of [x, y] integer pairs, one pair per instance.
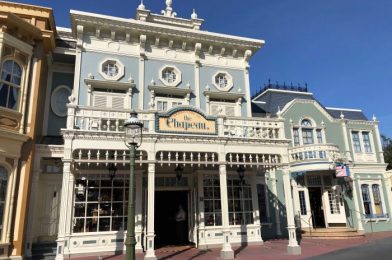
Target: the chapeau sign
{"points": [[185, 120]]}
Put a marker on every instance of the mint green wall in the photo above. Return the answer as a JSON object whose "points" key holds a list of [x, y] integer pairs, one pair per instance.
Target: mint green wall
{"points": [[333, 131], [357, 126], [380, 225]]}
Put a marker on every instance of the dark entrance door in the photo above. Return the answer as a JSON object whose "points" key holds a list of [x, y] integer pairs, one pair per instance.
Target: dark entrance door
{"points": [[316, 206], [167, 230]]}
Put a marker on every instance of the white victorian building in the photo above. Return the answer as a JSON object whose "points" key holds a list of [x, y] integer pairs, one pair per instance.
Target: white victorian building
{"points": [[201, 147]]}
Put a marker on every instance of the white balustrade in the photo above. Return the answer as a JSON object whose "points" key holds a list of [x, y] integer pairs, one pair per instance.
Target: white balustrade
{"points": [[327, 152], [107, 120]]}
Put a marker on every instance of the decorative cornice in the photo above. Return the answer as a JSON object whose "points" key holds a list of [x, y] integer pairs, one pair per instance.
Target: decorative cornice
{"points": [[84, 18], [169, 90]]}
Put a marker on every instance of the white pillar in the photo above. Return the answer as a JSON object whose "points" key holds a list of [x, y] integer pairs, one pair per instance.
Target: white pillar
{"points": [[272, 176], [150, 253], [226, 252], [138, 211], [255, 204], [379, 144], [64, 206], [347, 152], [141, 83], [356, 196], [197, 85], [293, 248]]}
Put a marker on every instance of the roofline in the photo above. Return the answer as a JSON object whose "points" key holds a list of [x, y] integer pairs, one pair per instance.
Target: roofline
{"points": [[282, 91], [344, 109], [255, 43], [259, 102]]}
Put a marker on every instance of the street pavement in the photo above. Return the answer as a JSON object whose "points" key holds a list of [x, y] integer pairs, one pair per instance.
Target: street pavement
{"points": [[377, 250], [375, 246]]}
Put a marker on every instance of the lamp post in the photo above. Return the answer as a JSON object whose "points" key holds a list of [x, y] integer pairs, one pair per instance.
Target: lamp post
{"points": [[133, 139]]}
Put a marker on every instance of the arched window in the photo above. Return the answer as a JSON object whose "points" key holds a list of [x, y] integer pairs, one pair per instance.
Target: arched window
{"points": [[3, 194], [11, 76], [306, 123]]}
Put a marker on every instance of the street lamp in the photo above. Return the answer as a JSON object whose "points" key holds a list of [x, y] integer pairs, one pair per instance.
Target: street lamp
{"points": [[133, 139]]}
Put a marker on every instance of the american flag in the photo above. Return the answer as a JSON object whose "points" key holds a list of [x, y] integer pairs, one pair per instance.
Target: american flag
{"points": [[342, 170]]}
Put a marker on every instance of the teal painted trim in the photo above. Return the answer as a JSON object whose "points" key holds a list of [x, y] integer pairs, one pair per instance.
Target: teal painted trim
{"points": [[183, 108]]}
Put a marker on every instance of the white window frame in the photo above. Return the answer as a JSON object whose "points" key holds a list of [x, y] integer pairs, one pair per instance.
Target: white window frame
{"points": [[170, 102], [178, 73], [53, 103], [313, 127], [109, 99], [119, 65], [229, 78], [383, 201]]}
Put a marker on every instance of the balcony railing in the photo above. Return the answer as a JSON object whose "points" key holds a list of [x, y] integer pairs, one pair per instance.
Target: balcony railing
{"points": [[324, 152], [107, 120]]}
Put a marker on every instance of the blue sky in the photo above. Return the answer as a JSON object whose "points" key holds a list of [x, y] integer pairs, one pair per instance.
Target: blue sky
{"points": [[341, 48]]}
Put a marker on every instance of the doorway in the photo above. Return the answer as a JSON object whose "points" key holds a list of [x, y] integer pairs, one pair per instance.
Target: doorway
{"points": [[167, 230], [316, 206]]}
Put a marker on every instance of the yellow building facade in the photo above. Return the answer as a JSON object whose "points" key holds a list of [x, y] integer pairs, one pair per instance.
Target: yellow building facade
{"points": [[26, 41]]}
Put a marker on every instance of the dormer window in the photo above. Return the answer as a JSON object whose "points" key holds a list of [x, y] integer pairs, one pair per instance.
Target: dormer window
{"points": [[222, 81], [170, 76], [111, 69], [307, 133]]}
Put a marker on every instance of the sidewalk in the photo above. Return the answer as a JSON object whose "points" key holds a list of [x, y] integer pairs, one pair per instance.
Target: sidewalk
{"points": [[272, 249]]}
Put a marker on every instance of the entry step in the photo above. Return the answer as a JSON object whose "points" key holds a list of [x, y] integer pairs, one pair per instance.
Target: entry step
{"points": [[331, 233]]}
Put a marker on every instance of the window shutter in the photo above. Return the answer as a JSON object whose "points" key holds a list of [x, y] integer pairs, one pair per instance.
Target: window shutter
{"points": [[100, 101], [229, 111], [118, 102], [214, 110]]}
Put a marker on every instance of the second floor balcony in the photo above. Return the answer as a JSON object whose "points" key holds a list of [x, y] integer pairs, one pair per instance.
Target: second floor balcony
{"points": [[314, 152], [92, 119]]}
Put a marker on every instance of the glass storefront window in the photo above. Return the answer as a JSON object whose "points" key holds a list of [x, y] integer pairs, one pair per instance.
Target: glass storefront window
{"points": [[100, 204]]}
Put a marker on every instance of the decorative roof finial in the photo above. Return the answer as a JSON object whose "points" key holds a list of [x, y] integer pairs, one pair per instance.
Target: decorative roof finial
{"points": [[141, 6], [341, 115], [194, 14], [374, 118], [169, 3], [169, 10]]}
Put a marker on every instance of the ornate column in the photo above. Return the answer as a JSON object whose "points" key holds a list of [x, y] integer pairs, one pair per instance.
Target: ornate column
{"points": [[272, 177], [197, 85], [255, 204], [356, 196], [293, 248], [138, 211], [62, 243], [150, 253], [66, 204], [200, 185], [226, 252], [347, 151], [378, 139]]}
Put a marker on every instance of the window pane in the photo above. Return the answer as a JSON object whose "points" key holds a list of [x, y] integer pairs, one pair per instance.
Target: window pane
{"points": [[307, 136], [366, 142], [296, 136], [319, 136], [356, 142], [302, 202], [366, 200], [377, 200]]}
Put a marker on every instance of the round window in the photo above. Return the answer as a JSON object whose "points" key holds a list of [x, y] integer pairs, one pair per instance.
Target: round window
{"points": [[59, 100]]}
